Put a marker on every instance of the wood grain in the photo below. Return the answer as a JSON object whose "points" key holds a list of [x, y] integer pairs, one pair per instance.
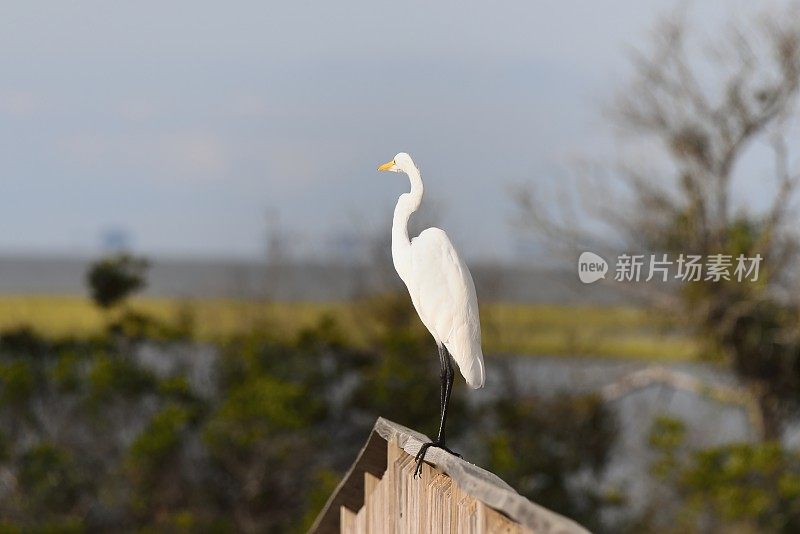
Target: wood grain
{"points": [[396, 503]]}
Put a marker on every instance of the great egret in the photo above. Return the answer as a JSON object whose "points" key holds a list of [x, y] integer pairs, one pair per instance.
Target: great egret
{"points": [[442, 292]]}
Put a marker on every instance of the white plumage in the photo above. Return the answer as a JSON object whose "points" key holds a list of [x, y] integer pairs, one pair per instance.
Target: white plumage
{"points": [[437, 279], [443, 294]]}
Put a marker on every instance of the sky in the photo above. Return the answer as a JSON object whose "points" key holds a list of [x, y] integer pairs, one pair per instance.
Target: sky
{"points": [[189, 125]]}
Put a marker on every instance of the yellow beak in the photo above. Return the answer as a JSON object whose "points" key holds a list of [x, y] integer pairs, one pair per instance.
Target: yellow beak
{"points": [[386, 166]]}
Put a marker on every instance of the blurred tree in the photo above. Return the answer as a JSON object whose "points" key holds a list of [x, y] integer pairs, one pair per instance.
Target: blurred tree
{"points": [[23, 340], [403, 365], [551, 450], [692, 120], [745, 488], [111, 280], [17, 382], [50, 480], [135, 445], [110, 376], [264, 438]]}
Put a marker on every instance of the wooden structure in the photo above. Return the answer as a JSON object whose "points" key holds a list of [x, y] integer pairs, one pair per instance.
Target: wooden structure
{"points": [[379, 494]]}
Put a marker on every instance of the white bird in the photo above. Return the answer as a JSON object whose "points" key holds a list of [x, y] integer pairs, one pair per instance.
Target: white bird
{"points": [[442, 292]]}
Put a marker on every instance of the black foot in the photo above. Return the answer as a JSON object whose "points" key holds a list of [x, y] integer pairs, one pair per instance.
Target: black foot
{"points": [[420, 457]]}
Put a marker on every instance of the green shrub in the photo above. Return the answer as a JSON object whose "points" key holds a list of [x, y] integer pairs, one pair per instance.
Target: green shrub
{"points": [[161, 437], [112, 279], [17, 382], [118, 375], [50, 480]]}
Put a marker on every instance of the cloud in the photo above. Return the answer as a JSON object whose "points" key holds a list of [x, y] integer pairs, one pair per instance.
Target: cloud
{"points": [[195, 153], [137, 109], [19, 103], [247, 105], [183, 155]]}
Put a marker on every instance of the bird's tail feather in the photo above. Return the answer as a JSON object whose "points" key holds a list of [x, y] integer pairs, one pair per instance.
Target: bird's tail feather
{"points": [[473, 369]]}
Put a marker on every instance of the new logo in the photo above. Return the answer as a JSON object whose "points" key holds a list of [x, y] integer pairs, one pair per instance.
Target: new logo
{"points": [[591, 267]]}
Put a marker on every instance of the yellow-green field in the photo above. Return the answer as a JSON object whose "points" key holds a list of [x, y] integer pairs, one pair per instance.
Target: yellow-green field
{"points": [[620, 332]]}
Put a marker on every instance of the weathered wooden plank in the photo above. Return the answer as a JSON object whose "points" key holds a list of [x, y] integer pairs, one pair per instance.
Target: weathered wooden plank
{"points": [[361, 521], [380, 495], [350, 491], [347, 520], [491, 521], [370, 484]]}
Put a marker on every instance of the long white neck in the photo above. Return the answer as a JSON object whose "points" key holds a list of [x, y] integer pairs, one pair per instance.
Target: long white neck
{"points": [[407, 204]]}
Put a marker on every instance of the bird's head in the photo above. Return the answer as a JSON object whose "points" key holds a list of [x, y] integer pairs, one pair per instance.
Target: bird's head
{"points": [[401, 163]]}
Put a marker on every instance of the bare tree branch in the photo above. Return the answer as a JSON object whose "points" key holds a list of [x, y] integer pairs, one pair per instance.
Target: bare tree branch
{"points": [[703, 113]]}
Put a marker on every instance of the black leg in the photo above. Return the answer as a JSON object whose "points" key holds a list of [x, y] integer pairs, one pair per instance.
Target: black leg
{"points": [[443, 364], [448, 388], [446, 376]]}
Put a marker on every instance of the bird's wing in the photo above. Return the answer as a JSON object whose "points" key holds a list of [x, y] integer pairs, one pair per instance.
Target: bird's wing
{"points": [[443, 293]]}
